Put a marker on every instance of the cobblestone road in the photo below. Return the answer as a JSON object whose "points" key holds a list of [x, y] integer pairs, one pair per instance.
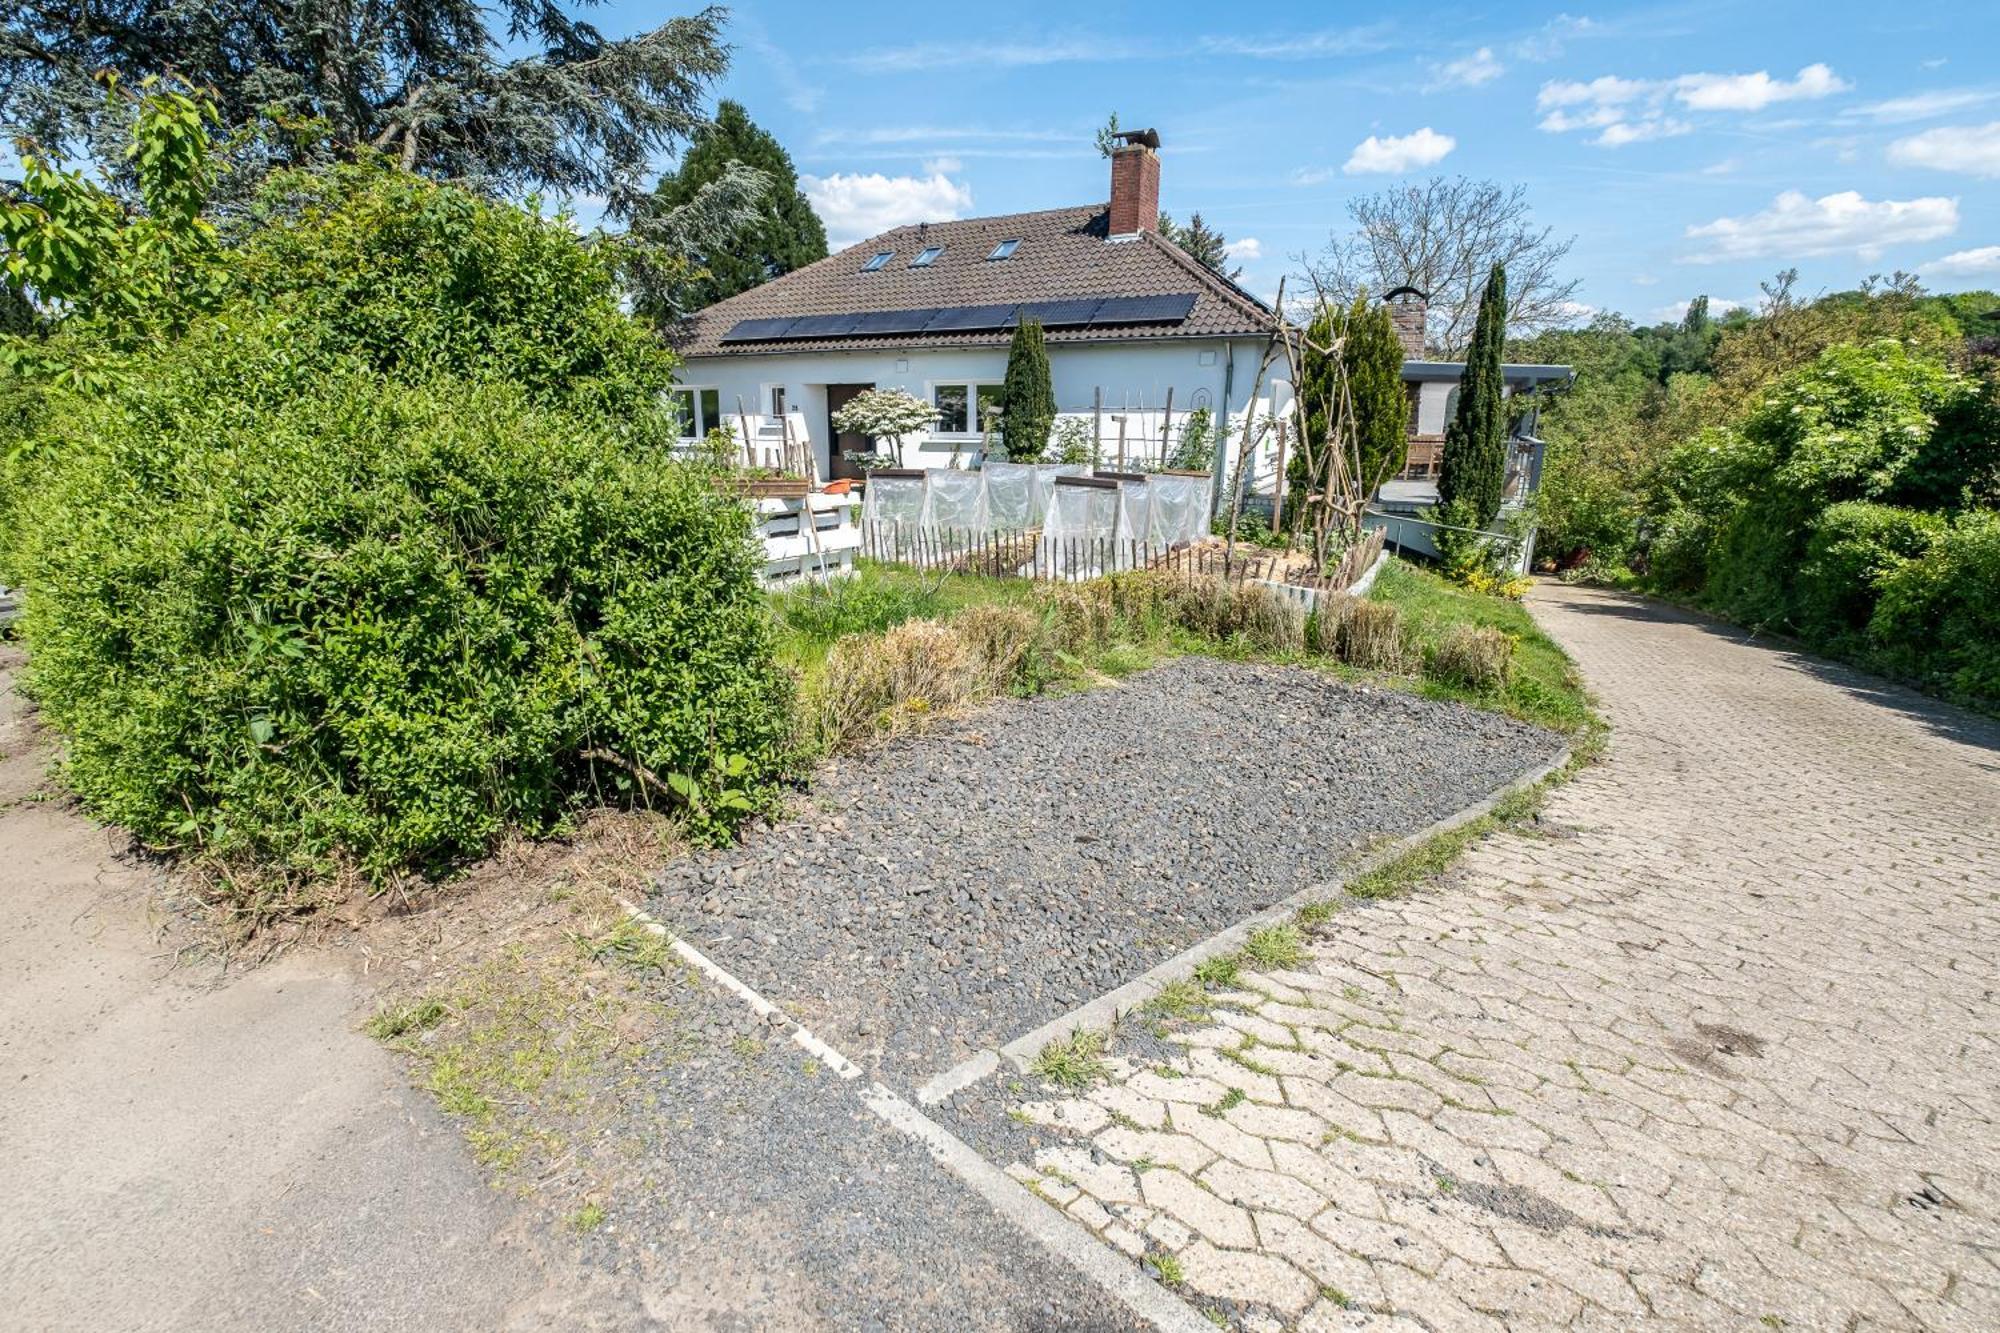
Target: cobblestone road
{"points": [[1715, 1047]]}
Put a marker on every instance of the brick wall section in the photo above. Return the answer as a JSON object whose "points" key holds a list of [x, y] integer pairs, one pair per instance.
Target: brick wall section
{"points": [[1135, 190]]}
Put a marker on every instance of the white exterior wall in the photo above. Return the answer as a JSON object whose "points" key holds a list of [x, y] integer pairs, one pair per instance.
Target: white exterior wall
{"points": [[1432, 397], [1134, 377]]}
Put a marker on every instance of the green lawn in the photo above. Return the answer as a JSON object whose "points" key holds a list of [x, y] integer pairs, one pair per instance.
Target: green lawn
{"points": [[1545, 687]]}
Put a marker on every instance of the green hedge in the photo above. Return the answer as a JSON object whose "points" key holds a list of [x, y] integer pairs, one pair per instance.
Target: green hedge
{"points": [[297, 620], [1937, 619]]}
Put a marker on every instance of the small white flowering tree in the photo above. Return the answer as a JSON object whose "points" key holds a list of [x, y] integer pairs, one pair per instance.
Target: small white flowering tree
{"points": [[884, 414]]}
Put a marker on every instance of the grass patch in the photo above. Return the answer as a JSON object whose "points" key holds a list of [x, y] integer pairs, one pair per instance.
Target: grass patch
{"points": [[1179, 999], [1168, 1269], [1542, 685], [1228, 1101], [587, 1218], [403, 1019], [626, 941], [1276, 947], [1218, 972], [1075, 1061]]}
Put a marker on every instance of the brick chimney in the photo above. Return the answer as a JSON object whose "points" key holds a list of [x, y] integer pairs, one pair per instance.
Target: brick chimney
{"points": [[1135, 184], [1408, 310]]}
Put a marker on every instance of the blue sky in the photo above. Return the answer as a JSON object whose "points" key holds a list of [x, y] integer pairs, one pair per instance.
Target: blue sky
{"points": [[1690, 148]]}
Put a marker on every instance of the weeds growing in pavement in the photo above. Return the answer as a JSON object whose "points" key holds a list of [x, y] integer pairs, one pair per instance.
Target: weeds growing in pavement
{"points": [[403, 1019], [1075, 1061], [1275, 947]]}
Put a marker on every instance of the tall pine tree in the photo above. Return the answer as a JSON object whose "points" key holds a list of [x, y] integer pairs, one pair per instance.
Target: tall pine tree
{"points": [[1027, 397], [1473, 470], [785, 234]]}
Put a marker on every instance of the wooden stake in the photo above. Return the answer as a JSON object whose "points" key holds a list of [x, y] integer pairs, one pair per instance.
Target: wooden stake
{"points": [[1166, 425]]}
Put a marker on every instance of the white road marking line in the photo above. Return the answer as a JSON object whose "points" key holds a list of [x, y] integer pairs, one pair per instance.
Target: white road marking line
{"points": [[1062, 1236]]}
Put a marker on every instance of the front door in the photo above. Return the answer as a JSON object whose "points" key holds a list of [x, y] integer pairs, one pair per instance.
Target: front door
{"points": [[837, 397]]}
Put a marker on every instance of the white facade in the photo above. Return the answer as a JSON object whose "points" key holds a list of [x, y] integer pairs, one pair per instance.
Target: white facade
{"points": [[1133, 378]]}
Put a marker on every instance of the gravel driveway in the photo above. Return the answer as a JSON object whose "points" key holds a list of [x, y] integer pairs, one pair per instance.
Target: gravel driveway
{"points": [[953, 890]]}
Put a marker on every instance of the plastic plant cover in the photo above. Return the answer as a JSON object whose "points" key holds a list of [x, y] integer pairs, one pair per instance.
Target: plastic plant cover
{"points": [[1010, 496], [954, 501], [1045, 484], [1077, 534], [892, 509], [1179, 509], [1135, 520]]}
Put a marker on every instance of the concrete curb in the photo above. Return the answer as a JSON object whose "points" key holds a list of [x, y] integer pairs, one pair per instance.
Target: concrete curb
{"points": [[1106, 1009]]}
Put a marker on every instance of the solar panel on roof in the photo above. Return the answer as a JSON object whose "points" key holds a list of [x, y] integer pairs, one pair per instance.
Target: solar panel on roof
{"points": [[1076, 310], [880, 322], [822, 326], [758, 330], [1144, 309], [969, 318]]}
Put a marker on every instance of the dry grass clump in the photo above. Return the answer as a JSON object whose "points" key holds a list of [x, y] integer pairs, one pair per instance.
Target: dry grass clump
{"points": [[1361, 633], [1079, 616], [1000, 640], [1213, 608], [1476, 656], [1269, 620], [874, 684]]}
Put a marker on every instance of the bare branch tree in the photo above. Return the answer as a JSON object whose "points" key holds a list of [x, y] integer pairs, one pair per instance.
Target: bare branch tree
{"points": [[1443, 236]]}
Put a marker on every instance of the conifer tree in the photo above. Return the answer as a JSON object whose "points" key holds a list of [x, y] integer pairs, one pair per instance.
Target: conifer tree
{"points": [[785, 233], [1473, 470], [1027, 397]]}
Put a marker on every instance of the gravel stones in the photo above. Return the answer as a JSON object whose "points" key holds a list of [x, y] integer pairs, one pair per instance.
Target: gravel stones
{"points": [[954, 889]]}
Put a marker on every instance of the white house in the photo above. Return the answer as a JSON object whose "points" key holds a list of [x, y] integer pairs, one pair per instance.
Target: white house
{"points": [[1140, 335], [1129, 317]]}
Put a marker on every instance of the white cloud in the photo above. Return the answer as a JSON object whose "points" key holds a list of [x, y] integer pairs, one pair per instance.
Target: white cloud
{"points": [[1973, 149], [856, 206], [1843, 223], [1754, 92], [1399, 152], [1632, 110], [1965, 263], [1247, 248], [1728, 166], [942, 166], [1645, 280], [1921, 106], [1310, 175], [1470, 71], [1577, 312], [1101, 47], [1548, 41], [1638, 131]]}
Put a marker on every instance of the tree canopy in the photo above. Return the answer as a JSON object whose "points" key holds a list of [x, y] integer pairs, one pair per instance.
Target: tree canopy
{"points": [[512, 96], [782, 234], [1443, 236], [1202, 242], [1027, 397]]}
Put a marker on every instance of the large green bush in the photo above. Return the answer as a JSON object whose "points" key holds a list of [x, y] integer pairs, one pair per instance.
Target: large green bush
{"points": [[1852, 546], [1937, 620], [389, 554], [320, 614]]}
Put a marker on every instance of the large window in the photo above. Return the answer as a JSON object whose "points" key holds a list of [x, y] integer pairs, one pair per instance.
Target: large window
{"points": [[966, 409], [700, 411]]}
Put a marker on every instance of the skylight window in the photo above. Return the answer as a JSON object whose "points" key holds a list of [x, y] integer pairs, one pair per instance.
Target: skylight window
{"points": [[927, 256], [1004, 250], [881, 260]]}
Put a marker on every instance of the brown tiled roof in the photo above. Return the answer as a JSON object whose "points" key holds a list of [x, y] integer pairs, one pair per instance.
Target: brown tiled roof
{"points": [[1063, 253]]}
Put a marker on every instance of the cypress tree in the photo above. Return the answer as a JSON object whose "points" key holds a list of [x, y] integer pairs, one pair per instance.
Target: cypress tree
{"points": [[1027, 397], [785, 235], [1474, 467]]}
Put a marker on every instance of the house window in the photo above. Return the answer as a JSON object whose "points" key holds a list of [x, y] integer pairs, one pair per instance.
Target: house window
{"points": [[1004, 250], [880, 261], [699, 410], [777, 400], [965, 409], [927, 256]]}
